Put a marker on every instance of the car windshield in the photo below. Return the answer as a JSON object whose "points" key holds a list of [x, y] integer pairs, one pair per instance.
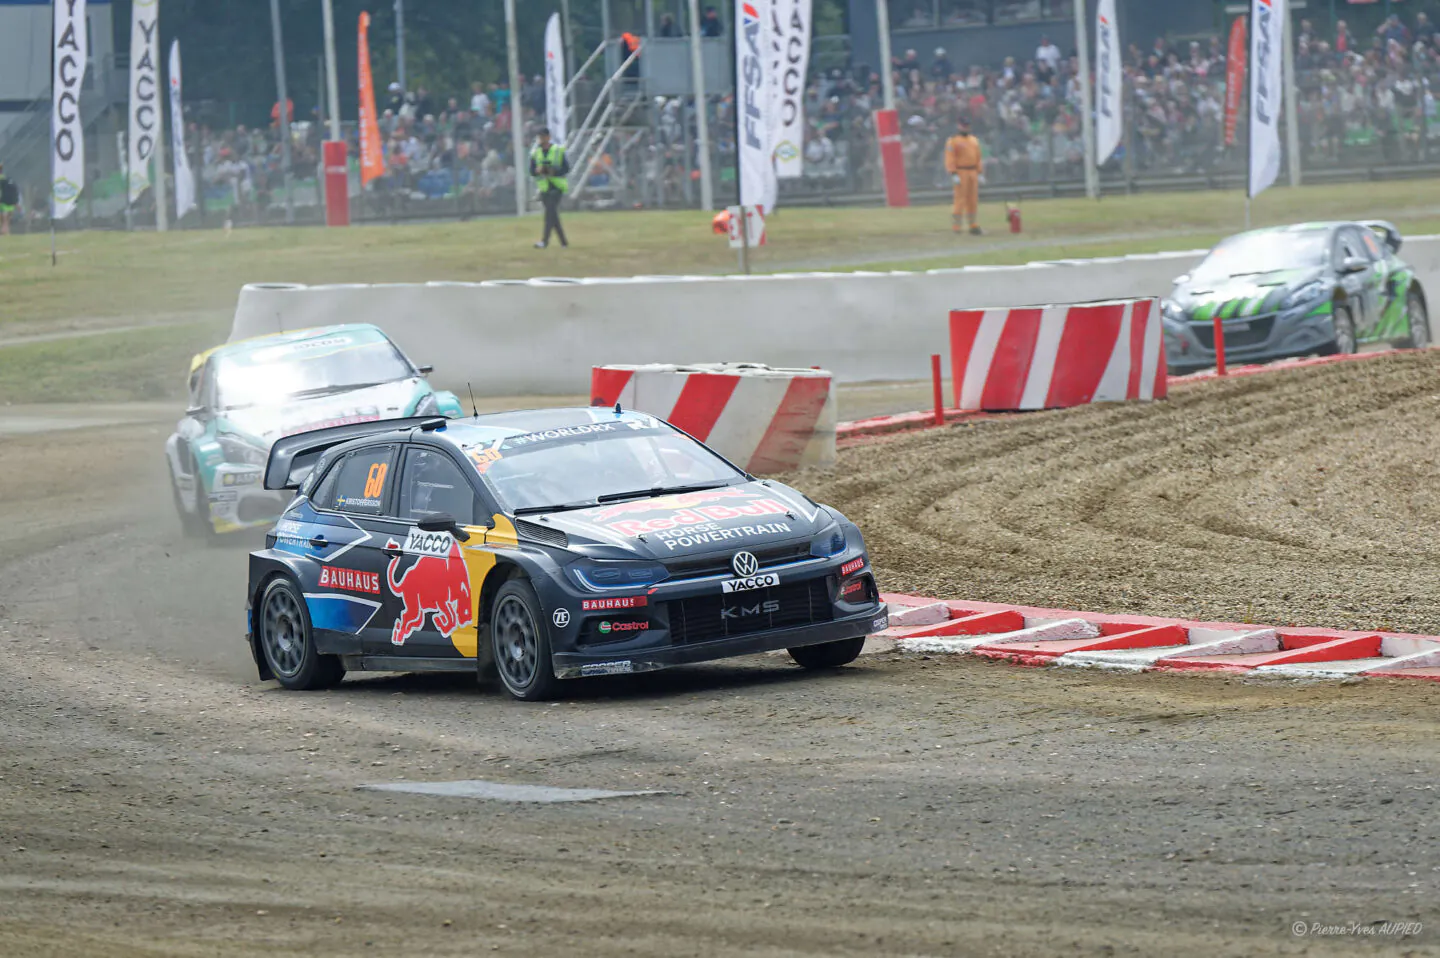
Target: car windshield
{"points": [[1253, 253], [572, 467], [276, 374]]}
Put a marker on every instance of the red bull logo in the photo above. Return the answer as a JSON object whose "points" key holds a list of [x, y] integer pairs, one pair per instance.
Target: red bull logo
{"points": [[437, 584]]}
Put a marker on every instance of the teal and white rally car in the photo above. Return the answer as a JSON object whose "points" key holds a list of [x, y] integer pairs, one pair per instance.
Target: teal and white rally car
{"points": [[245, 395]]}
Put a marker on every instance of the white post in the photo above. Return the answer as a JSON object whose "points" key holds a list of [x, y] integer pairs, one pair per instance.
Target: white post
{"points": [[400, 43], [882, 20], [517, 115], [702, 122], [162, 194], [1087, 112], [284, 114], [332, 89], [1292, 119]]}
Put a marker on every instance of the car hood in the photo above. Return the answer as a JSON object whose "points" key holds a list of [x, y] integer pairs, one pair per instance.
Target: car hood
{"points": [[265, 424], [730, 519], [1237, 296]]}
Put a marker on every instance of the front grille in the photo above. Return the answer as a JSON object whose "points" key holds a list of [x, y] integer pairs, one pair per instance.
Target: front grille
{"points": [[719, 564], [702, 618], [1258, 332]]}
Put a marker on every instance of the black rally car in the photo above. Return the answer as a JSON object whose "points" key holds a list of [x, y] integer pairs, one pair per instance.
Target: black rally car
{"points": [[543, 545]]}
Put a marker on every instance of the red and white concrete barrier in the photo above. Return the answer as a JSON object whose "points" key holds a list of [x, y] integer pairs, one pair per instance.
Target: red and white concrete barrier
{"points": [[1048, 357], [762, 419]]}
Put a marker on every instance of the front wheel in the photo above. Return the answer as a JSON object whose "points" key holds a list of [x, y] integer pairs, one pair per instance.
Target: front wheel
{"points": [[1419, 318], [192, 523], [1344, 342], [288, 642], [521, 644], [828, 655]]}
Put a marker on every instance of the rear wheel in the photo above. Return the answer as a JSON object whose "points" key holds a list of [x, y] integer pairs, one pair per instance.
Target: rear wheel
{"points": [[288, 643], [521, 644], [1419, 317], [1344, 342], [828, 655]]}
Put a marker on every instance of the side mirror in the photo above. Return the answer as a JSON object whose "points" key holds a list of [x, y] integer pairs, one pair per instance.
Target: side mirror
{"points": [[197, 412], [1354, 264], [424, 370], [1182, 278], [440, 522]]}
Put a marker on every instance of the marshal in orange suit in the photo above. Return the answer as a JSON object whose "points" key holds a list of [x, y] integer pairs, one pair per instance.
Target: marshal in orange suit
{"points": [[966, 168]]}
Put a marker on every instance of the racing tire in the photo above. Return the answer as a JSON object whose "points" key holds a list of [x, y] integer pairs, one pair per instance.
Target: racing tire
{"points": [[1344, 342], [192, 525], [1419, 336], [287, 642], [828, 655], [520, 643]]}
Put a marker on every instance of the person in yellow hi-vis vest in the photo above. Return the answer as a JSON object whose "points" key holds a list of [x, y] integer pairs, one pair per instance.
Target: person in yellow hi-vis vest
{"points": [[967, 170], [548, 165]]}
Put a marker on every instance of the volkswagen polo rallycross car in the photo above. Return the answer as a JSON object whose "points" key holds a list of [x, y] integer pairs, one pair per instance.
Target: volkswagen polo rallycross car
{"points": [[543, 546], [245, 395], [1295, 290]]}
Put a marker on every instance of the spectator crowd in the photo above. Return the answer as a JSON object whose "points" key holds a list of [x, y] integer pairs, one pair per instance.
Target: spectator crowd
{"points": [[1362, 101]]}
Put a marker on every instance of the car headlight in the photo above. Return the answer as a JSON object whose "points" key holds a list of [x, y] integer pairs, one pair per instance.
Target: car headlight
{"points": [[828, 543], [599, 574], [428, 406], [1311, 291], [239, 450]]}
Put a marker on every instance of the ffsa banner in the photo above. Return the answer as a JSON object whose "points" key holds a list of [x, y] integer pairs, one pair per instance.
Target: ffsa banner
{"points": [[790, 45], [1109, 112], [555, 80], [1267, 38], [753, 111], [144, 93], [67, 135], [180, 160]]}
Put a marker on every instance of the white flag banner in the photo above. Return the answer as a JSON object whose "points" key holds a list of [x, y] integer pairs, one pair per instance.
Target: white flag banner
{"points": [[184, 179], [791, 24], [67, 135], [1267, 36], [555, 80], [1109, 108], [753, 112], [144, 89]]}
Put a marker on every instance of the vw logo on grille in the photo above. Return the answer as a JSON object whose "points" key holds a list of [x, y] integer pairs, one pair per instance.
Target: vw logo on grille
{"points": [[745, 564]]}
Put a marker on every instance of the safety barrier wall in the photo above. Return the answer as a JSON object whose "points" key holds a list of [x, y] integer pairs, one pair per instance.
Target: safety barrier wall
{"points": [[1055, 356], [542, 336], [760, 418]]}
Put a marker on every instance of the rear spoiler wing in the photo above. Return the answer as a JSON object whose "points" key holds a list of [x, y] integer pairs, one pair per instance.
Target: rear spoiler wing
{"points": [[1389, 231], [292, 458]]}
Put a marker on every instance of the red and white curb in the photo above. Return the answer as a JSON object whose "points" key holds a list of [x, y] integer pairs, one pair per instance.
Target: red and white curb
{"points": [[1025, 635]]}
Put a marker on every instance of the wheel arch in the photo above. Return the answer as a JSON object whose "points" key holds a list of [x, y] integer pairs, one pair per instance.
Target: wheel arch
{"points": [[265, 569]]}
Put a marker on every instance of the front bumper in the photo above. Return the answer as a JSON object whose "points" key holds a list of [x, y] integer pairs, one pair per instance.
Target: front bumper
{"points": [[1296, 332], [238, 501], [687, 621]]}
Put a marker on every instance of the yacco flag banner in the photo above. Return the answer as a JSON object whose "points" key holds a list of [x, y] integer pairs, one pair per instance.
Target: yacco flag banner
{"points": [[555, 80], [144, 93], [1234, 78], [184, 179], [753, 110], [1267, 38], [67, 136], [790, 40], [372, 161], [1109, 110]]}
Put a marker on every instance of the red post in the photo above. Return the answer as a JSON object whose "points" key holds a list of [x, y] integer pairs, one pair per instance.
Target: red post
{"points": [[1219, 347], [892, 158], [939, 397], [337, 184]]}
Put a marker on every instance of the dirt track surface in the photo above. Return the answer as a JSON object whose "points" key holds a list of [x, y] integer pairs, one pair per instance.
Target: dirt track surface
{"points": [[1304, 497], [156, 800]]}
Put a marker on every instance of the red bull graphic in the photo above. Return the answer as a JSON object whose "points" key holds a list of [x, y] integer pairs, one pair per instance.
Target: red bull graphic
{"points": [[437, 583]]}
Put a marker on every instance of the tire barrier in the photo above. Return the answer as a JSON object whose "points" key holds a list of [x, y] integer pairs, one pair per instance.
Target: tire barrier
{"points": [[764, 420], [1051, 357], [1029, 636]]}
